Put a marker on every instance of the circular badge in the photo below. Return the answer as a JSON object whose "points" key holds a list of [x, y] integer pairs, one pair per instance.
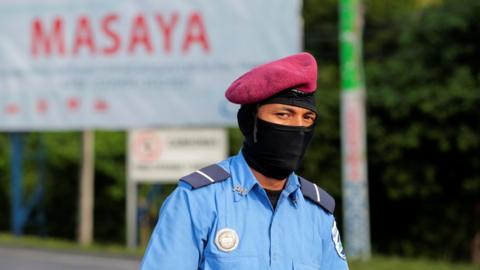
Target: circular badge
{"points": [[226, 240]]}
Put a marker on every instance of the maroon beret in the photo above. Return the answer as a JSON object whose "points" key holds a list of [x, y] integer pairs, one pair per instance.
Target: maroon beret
{"points": [[297, 71]]}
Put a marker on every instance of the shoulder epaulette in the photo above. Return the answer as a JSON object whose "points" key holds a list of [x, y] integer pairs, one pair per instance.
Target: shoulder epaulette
{"points": [[319, 196], [206, 176]]}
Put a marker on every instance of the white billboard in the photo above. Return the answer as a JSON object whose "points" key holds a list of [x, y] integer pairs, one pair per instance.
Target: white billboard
{"points": [[117, 64]]}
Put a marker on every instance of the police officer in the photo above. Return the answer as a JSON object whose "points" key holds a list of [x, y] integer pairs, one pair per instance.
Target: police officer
{"points": [[252, 211]]}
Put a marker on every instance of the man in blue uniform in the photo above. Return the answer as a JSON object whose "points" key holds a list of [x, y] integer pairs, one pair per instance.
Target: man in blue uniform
{"points": [[252, 211]]}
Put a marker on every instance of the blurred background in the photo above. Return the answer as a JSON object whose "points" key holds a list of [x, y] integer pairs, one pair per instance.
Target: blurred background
{"points": [[421, 66]]}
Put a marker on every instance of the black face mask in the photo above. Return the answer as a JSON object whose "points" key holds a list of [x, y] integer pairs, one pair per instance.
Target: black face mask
{"points": [[276, 150]]}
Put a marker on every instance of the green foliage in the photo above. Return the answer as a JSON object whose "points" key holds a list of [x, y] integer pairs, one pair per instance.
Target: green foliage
{"points": [[110, 175], [63, 154], [424, 133], [4, 182], [63, 157], [395, 263], [423, 111], [57, 244]]}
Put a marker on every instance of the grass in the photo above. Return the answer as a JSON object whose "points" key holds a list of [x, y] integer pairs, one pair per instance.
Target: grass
{"points": [[396, 263], [377, 263], [69, 246]]}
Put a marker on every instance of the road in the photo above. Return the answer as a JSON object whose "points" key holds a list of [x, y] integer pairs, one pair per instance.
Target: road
{"points": [[34, 259]]}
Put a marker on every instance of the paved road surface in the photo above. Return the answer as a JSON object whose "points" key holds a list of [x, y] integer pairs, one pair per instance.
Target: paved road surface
{"points": [[33, 259]]}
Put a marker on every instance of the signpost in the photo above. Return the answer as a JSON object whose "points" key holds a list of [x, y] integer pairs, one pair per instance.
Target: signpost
{"points": [[87, 190], [165, 155], [354, 171]]}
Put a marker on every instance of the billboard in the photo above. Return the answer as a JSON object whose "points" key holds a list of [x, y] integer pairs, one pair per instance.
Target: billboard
{"points": [[119, 64]]}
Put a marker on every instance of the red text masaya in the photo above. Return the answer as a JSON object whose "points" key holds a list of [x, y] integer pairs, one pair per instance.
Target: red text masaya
{"points": [[52, 40]]}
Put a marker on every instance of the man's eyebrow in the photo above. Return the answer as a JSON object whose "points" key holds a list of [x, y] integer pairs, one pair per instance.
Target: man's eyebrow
{"points": [[289, 109], [292, 110]]}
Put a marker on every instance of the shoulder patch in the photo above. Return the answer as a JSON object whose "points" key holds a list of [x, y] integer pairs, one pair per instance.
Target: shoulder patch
{"points": [[319, 196], [206, 176]]}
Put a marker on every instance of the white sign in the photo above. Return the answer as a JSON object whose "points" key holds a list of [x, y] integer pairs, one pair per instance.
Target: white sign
{"points": [[119, 64], [165, 155]]}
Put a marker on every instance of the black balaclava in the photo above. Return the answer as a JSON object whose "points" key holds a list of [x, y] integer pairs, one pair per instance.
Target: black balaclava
{"points": [[275, 150]]}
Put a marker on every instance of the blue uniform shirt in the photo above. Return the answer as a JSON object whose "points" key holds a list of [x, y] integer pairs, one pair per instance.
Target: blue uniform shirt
{"points": [[298, 234]]}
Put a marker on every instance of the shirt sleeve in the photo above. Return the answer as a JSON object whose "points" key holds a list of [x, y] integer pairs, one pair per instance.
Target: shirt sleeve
{"points": [[333, 253], [176, 241]]}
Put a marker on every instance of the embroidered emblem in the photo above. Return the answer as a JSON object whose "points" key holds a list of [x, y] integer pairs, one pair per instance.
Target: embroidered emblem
{"points": [[240, 190], [226, 240], [338, 242]]}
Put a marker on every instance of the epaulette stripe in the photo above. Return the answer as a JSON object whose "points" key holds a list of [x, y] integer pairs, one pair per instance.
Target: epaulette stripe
{"points": [[317, 195], [206, 176], [317, 192], [215, 172]]}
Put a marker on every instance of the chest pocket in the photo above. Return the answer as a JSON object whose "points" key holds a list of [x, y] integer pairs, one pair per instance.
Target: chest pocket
{"points": [[231, 263]]}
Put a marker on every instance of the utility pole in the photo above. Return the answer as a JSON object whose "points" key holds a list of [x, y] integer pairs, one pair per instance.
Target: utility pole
{"points": [[354, 161], [86, 187]]}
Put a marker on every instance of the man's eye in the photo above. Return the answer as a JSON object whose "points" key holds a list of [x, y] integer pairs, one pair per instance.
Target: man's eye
{"points": [[309, 117], [282, 115]]}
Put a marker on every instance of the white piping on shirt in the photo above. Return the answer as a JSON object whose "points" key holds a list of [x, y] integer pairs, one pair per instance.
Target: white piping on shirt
{"points": [[318, 193], [206, 176]]}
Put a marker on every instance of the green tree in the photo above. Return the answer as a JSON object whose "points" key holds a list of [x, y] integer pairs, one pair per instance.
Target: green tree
{"points": [[424, 132], [422, 75]]}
